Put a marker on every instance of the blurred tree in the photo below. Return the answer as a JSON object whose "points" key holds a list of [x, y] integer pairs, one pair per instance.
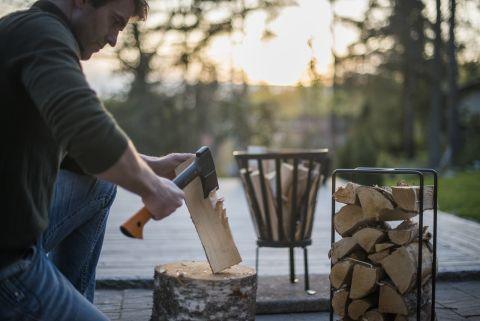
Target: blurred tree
{"points": [[183, 112], [453, 128], [435, 104]]}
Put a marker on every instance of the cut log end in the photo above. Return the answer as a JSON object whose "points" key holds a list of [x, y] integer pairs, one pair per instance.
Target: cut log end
{"points": [[189, 291]]}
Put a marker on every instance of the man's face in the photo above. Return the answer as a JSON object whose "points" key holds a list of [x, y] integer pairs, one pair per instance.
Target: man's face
{"points": [[95, 27]]}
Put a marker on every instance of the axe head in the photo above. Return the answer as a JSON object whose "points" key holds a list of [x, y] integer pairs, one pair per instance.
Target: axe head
{"points": [[206, 170]]}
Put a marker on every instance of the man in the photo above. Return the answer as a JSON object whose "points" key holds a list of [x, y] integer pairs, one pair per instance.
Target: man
{"points": [[48, 111]]}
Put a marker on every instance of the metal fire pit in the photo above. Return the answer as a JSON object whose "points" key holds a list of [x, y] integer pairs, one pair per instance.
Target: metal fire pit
{"points": [[293, 229]]}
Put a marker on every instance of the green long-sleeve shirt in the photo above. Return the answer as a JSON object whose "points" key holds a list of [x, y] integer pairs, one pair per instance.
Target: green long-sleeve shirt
{"points": [[47, 110]]}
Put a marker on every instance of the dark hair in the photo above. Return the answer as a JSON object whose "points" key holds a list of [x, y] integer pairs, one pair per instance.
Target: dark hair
{"points": [[141, 7]]}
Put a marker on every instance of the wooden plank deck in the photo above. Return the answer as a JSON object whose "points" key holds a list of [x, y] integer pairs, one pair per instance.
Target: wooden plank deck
{"points": [[175, 238]]}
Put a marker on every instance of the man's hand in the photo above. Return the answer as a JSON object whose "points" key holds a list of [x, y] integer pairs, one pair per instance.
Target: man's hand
{"points": [[164, 199], [165, 166], [160, 195]]}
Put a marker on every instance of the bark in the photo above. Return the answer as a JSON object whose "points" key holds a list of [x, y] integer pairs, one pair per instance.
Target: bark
{"points": [[364, 280], [188, 291], [401, 266]]}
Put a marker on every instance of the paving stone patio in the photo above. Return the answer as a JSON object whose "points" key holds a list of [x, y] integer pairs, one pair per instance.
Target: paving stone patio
{"points": [[175, 238], [129, 263], [456, 301]]}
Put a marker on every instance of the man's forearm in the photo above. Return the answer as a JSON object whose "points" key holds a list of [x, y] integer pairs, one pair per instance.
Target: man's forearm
{"points": [[132, 173]]}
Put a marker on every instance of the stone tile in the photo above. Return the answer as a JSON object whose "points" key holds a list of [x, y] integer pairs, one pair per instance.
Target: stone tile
{"points": [[294, 317], [470, 287], [444, 314], [175, 238], [136, 303]]}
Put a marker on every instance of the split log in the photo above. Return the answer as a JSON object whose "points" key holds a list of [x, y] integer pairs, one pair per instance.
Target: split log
{"points": [[391, 301], [383, 246], [368, 237], [386, 191], [348, 219], [397, 214], [379, 256], [188, 291], [374, 315], [268, 210], [425, 314], [364, 280], [408, 197], [404, 233], [342, 248], [373, 202], [357, 255], [340, 302], [401, 266], [346, 194], [211, 222], [312, 201], [341, 273], [286, 176], [260, 229], [357, 308]]}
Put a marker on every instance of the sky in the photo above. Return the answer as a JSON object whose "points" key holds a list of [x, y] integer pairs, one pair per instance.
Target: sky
{"points": [[280, 61]]}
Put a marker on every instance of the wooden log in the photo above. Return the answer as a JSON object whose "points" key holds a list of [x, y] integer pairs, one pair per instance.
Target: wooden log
{"points": [[374, 315], [364, 280], [188, 291], [408, 197], [373, 202], [286, 176], [259, 229], [383, 246], [391, 301], [387, 192], [341, 273], [357, 308], [317, 178], [342, 248], [346, 194], [211, 222], [368, 237], [396, 214], [271, 210], [340, 302], [377, 257], [404, 233], [348, 219], [401, 266], [425, 314], [358, 254]]}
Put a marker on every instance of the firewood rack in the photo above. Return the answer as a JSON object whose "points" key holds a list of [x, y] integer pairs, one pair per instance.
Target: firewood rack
{"points": [[414, 172], [298, 217]]}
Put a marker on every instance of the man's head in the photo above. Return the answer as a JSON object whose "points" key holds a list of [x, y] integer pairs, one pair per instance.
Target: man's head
{"points": [[98, 22]]}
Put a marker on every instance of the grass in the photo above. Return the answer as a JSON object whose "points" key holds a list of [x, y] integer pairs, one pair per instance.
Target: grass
{"points": [[460, 194]]}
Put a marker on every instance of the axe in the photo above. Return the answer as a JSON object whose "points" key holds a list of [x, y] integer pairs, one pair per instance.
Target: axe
{"points": [[202, 167]]}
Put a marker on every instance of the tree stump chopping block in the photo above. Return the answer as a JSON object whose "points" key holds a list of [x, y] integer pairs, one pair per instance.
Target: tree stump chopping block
{"points": [[188, 291]]}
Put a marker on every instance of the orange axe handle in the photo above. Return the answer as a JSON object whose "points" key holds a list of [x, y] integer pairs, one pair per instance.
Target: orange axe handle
{"points": [[134, 226]]}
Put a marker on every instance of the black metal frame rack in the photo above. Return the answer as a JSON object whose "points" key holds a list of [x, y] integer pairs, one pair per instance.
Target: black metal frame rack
{"points": [[419, 172], [264, 230]]}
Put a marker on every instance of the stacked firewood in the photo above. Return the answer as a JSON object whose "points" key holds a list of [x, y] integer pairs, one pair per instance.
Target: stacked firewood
{"points": [[270, 211], [374, 273]]}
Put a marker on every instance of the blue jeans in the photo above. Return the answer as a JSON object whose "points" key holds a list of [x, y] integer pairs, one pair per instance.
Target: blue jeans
{"points": [[56, 279]]}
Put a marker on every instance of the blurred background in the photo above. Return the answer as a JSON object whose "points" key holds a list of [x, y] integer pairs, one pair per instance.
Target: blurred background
{"points": [[379, 82]]}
